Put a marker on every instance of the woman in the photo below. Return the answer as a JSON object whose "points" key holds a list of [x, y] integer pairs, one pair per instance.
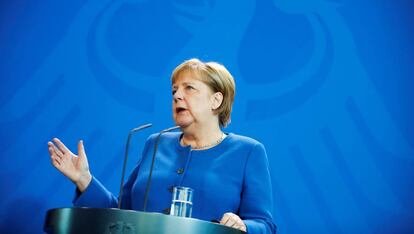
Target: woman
{"points": [[229, 173]]}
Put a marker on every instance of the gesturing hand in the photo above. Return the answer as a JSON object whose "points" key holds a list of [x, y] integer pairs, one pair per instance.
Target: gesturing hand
{"points": [[233, 220], [75, 167]]}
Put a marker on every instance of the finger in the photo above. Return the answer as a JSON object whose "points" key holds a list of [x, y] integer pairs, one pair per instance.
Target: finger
{"points": [[230, 222], [224, 219], [240, 227], [53, 151], [56, 161], [58, 153], [239, 223], [81, 150], [234, 221], [61, 146], [50, 148]]}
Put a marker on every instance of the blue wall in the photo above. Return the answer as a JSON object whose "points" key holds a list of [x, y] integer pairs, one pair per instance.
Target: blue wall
{"points": [[327, 86]]}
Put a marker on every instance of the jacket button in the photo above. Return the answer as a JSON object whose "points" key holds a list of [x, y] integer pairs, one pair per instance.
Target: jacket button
{"points": [[180, 171], [166, 211]]}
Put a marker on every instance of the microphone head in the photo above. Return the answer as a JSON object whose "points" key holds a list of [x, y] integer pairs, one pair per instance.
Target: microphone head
{"points": [[140, 127], [170, 129]]}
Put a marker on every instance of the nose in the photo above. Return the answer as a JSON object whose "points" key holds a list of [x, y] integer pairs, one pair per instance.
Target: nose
{"points": [[178, 95]]}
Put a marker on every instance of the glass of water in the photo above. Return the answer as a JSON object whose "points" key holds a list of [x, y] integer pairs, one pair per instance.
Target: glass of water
{"points": [[182, 202]]}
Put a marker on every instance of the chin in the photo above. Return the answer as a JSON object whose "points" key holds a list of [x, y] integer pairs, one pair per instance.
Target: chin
{"points": [[183, 123]]}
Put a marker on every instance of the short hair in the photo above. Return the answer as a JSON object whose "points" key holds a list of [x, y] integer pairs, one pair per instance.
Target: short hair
{"points": [[217, 77]]}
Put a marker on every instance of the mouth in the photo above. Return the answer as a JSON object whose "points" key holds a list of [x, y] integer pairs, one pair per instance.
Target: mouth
{"points": [[179, 110]]}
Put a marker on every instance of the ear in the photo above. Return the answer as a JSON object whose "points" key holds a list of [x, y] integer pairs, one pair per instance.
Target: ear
{"points": [[217, 99]]}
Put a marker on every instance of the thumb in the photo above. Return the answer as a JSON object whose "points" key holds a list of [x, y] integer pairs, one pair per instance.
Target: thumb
{"points": [[81, 150]]}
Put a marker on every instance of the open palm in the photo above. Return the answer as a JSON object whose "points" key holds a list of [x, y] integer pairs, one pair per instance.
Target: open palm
{"points": [[75, 167]]}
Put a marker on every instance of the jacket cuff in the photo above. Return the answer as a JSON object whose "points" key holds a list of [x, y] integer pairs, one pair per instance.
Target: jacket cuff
{"points": [[95, 195]]}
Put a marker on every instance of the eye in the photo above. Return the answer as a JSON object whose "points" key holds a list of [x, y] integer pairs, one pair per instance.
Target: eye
{"points": [[189, 87], [174, 91]]}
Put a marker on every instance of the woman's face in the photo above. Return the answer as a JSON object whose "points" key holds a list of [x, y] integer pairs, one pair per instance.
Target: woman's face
{"points": [[193, 101]]}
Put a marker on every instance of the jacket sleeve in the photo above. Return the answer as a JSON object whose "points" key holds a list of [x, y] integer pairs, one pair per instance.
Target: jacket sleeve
{"points": [[256, 198], [97, 196]]}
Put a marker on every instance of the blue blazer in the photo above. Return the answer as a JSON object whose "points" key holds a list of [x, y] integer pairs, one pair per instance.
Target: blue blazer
{"points": [[232, 176]]}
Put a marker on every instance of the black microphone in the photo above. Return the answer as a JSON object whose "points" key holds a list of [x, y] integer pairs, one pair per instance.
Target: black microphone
{"points": [[152, 163], [134, 130]]}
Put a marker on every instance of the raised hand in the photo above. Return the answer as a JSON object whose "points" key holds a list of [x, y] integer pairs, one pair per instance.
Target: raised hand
{"points": [[233, 220], [75, 167]]}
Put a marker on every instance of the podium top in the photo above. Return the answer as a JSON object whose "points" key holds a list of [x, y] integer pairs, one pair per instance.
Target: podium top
{"points": [[102, 220]]}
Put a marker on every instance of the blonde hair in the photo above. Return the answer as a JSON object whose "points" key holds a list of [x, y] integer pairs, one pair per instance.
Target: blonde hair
{"points": [[217, 77]]}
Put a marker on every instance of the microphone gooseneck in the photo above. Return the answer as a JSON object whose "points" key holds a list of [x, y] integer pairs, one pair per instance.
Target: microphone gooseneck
{"points": [[152, 164], [126, 159]]}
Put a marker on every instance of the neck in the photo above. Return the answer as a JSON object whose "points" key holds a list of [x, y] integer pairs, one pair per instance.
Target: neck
{"points": [[202, 137]]}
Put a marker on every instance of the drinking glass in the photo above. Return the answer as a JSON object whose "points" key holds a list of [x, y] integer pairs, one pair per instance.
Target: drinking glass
{"points": [[182, 202]]}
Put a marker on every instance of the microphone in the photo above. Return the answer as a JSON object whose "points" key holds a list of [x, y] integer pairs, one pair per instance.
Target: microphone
{"points": [[152, 163], [134, 130]]}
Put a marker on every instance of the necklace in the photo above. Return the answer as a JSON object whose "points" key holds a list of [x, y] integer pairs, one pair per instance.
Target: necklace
{"points": [[205, 146]]}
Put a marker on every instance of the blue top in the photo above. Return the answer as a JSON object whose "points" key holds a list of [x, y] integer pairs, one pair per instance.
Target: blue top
{"points": [[232, 177]]}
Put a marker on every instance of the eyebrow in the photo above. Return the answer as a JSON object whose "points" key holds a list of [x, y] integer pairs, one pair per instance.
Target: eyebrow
{"points": [[184, 83]]}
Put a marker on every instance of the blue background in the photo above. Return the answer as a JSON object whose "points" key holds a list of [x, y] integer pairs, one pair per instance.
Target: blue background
{"points": [[326, 85]]}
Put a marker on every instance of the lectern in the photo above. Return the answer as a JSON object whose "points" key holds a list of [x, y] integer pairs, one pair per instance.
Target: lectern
{"points": [[106, 221]]}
